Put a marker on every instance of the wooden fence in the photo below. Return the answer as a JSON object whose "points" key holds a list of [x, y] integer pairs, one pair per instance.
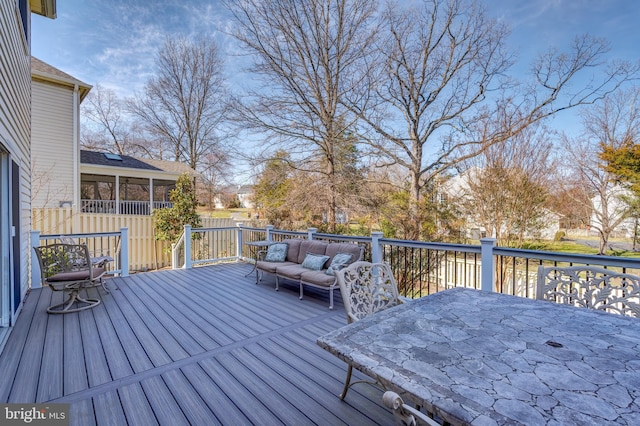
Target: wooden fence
{"points": [[144, 252]]}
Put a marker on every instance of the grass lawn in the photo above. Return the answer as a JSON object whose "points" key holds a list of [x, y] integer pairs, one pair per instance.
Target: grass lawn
{"points": [[573, 247], [224, 213]]}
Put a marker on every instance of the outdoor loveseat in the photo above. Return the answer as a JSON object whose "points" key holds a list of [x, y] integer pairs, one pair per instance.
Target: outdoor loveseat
{"points": [[309, 262]]}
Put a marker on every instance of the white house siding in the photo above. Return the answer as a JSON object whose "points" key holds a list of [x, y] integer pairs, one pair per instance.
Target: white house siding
{"points": [[52, 146], [15, 90]]}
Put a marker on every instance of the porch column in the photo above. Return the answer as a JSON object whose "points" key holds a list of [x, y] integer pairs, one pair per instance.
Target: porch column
{"points": [[117, 194], [376, 247], [487, 275], [150, 195], [124, 252], [187, 247], [310, 232], [239, 241], [35, 266]]}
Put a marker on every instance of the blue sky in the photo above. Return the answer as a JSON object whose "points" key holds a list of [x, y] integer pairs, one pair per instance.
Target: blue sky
{"points": [[113, 42]]}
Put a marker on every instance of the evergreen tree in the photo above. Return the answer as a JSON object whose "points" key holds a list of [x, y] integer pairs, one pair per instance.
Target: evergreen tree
{"points": [[168, 223]]}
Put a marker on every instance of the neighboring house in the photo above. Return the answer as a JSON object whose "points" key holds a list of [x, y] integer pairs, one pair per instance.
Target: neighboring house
{"points": [[244, 194], [15, 152], [122, 184], [88, 181], [55, 136], [458, 188], [617, 212]]}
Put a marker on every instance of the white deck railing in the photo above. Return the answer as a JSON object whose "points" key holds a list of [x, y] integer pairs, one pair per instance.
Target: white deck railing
{"points": [[420, 267], [113, 244]]}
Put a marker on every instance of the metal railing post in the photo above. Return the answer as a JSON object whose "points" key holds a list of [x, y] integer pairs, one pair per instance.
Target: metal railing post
{"points": [[187, 246], [376, 247], [310, 232], [124, 252], [488, 268], [35, 266], [239, 242], [268, 228]]}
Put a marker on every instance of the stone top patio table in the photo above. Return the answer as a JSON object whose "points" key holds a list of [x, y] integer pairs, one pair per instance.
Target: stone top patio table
{"points": [[474, 357]]}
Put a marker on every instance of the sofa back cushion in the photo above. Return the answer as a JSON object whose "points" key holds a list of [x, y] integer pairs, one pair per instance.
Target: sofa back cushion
{"points": [[294, 249], [311, 246], [335, 248]]}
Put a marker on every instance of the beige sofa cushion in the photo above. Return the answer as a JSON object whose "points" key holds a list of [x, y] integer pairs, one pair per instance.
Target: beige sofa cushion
{"points": [[293, 250], [311, 246], [271, 266], [292, 271], [318, 278], [335, 248]]}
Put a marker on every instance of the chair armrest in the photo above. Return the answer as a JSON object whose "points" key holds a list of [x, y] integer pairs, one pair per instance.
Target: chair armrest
{"points": [[100, 260], [261, 254]]}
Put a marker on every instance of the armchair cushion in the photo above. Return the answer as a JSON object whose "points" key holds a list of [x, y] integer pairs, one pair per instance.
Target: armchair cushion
{"points": [[75, 275]]}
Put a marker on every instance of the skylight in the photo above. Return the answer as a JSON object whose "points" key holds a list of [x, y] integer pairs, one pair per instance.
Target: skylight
{"points": [[110, 156]]}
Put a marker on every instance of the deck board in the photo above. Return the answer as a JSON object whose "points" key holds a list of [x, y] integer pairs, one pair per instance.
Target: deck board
{"points": [[94, 356], [114, 352], [75, 371], [108, 409], [221, 405], [166, 409], [136, 408], [28, 373], [50, 385], [199, 346]]}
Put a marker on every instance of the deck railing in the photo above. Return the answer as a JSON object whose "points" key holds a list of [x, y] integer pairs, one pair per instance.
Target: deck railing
{"points": [[421, 268], [113, 244]]}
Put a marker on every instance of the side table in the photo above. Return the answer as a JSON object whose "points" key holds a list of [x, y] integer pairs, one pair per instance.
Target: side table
{"points": [[256, 245]]}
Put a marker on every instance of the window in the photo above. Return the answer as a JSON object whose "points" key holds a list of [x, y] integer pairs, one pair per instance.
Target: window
{"points": [[23, 10], [109, 156]]}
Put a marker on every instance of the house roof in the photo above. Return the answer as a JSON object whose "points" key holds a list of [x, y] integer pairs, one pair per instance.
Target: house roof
{"points": [[128, 162], [44, 71], [46, 8]]}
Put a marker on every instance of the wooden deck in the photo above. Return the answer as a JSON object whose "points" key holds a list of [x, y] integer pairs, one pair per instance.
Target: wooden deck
{"points": [[203, 346]]}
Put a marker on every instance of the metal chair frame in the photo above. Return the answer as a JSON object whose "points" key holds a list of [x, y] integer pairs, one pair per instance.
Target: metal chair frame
{"points": [[68, 268], [366, 288], [590, 287]]}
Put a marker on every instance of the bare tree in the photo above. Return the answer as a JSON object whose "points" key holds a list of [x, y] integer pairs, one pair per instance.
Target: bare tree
{"points": [[611, 124], [309, 55], [184, 106], [214, 171], [506, 187], [440, 95], [108, 128]]}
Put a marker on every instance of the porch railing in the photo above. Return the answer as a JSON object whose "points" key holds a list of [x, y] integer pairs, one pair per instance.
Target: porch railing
{"points": [[113, 244], [122, 207], [421, 268]]}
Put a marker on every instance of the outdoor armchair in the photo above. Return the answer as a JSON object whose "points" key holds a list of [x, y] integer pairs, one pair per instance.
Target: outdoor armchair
{"points": [[68, 268]]}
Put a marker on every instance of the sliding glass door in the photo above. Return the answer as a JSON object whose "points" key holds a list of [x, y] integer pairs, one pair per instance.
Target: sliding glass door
{"points": [[5, 242]]}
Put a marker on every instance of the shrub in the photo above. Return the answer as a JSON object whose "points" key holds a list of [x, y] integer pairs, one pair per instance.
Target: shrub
{"points": [[168, 223], [559, 236]]}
